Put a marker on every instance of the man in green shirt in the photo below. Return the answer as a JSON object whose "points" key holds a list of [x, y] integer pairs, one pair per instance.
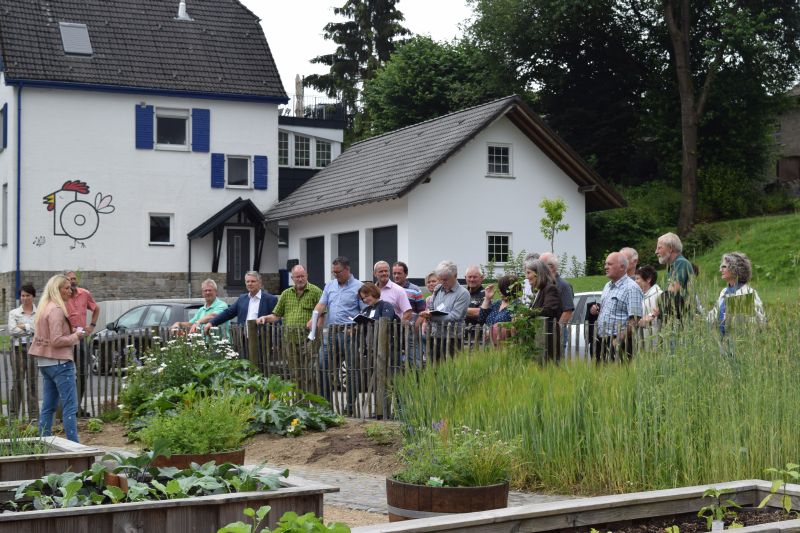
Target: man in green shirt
{"points": [[679, 272], [295, 306], [212, 307]]}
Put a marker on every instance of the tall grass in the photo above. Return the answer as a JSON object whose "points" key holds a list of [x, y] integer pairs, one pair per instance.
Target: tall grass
{"points": [[690, 411]]}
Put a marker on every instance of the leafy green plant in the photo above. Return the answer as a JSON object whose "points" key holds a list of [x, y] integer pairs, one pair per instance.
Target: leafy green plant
{"points": [[552, 223], [718, 509], [290, 522], [672, 529], [208, 423], [19, 438], [94, 425], [79, 489], [780, 477], [381, 433], [455, 458]]}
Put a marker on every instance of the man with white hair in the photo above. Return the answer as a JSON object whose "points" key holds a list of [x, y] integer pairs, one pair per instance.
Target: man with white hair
{"points": [[565, 292], [679, 270], [213, 306], [618, 312], [391, 292], [448, 307], [633, 261]]}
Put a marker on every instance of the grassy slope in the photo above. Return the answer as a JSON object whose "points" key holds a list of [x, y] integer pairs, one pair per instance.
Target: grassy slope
{"points": [[771, 243]]}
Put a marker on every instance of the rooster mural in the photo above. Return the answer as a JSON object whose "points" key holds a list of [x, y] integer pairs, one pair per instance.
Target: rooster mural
{"points": [[74, 217]]}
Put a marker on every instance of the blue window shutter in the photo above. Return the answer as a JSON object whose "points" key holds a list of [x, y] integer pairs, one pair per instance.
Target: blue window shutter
{"points": [[217, 171], [144, 127], [5, 126], [260, 172], [201, 127]]}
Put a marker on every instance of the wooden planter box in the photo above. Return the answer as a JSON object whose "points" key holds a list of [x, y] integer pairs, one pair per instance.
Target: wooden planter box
{"points": [[407, 501], [602, 512], [63, 455], [187, 515]]}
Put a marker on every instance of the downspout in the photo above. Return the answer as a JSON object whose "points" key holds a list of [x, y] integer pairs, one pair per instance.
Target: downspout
{"points": [[19, 192], [189, 276]]}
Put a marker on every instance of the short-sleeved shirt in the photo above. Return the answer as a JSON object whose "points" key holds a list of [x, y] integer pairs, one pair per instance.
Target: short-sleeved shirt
{"points": [[415, 297], [342, 301], [566, 294], [394, 294], [77, 306], [296, 310], [679, 271], [217, 306], [620, 300]]}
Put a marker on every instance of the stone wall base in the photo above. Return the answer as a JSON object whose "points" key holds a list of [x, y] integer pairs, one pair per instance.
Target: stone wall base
{"points": [[113, 285]]}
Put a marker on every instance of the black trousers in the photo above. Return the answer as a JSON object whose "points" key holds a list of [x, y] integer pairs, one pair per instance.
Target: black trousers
{"points": [[604, 349]]}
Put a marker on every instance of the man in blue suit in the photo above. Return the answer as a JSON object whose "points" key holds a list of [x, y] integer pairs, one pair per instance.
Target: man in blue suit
{"points": [[250, 305]]}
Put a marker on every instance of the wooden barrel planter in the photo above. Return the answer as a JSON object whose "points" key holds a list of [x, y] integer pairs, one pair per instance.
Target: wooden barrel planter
{"points": [[184, 460], [408, 502]]}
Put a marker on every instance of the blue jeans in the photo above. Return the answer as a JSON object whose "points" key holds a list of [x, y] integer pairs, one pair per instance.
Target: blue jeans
{"points": [[59, 384]]}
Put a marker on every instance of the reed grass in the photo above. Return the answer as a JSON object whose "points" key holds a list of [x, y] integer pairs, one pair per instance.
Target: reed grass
{"points": [[691, 410]]}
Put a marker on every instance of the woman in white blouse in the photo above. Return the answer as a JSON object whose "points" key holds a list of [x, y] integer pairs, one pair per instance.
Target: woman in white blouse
{"points": [[20, 327], [646, 277]]}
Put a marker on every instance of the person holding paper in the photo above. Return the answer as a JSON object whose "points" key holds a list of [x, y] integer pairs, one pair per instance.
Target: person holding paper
{"points": [[738, 298], [446, 312], [375, 307]]}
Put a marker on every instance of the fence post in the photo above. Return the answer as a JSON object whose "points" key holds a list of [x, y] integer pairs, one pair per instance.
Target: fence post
{"points": [[252, 342], [381, 367]]}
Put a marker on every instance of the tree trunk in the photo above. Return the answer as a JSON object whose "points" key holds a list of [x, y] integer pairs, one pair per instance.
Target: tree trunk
{"points": [[679, 34]]}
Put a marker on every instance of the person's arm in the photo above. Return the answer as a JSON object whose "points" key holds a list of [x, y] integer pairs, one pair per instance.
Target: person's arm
{"points": [[60, 333], [404, 305], [271, 318], [459, 310], [14, 328], [95, 318]]}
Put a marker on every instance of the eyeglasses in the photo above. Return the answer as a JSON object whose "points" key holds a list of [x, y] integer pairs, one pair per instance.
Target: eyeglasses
{"points": [[337, 272], [723, 266]]}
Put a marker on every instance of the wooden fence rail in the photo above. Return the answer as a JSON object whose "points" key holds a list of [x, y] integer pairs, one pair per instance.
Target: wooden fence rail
{"points": [[351, 366]]}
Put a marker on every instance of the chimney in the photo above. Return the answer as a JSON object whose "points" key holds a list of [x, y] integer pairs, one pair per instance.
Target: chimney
{"points": [[182, 14]]}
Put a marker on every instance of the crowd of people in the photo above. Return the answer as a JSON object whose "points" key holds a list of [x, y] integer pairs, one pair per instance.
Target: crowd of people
{"points": [[631, 305]]}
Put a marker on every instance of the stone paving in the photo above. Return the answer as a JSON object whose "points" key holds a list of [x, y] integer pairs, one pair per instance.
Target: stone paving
{"points": [[367, 492]]}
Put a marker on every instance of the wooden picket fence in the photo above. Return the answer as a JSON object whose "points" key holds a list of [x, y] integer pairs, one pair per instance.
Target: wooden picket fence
{"points": [[351, 366]]}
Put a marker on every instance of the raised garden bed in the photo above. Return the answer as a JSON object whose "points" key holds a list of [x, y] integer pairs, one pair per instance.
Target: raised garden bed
{"points": [[604, 513], [63, 455], [196, 514]]}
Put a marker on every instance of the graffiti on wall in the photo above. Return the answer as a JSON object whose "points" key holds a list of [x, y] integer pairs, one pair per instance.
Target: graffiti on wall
{"points": [[73, 216]]}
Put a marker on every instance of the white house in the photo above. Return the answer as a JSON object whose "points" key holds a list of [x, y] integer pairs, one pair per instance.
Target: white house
{"points": [[139, 146], [464, 187]]}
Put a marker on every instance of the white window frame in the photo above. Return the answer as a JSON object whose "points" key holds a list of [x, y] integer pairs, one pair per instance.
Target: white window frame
{"points": [[2, 118], [510, 173], [249, 159], [173, 113], [310, 151], [288, 149], [317, 142], [171, 217], [489, 235]]}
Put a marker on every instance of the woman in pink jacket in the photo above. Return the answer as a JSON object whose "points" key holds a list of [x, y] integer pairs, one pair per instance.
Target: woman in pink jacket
{"points": [[52, 346]]}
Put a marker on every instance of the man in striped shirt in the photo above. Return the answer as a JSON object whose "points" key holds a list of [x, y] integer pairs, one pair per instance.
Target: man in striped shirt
{"points": [[619, 310]]}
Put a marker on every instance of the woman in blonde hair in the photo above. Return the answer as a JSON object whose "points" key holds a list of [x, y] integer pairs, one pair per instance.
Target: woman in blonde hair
{"points": [[52, 346]]}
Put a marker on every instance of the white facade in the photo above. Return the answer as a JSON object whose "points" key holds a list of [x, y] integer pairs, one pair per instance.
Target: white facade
{"points": [[451, 216], [90, 136]]}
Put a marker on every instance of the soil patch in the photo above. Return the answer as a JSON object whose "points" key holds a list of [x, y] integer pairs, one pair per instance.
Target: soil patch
{"points": [[345, 448], [690, 523], [352, 517]]}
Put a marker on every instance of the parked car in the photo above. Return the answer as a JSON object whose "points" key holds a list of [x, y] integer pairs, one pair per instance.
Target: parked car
{"points": [[110, 347], [579, 331]]}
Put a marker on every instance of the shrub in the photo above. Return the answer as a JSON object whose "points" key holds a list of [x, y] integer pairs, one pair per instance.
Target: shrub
{"points": [[211, 423], [702, 238]]}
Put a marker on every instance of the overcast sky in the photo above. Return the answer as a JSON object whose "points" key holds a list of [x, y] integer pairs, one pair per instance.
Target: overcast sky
{"points": [[294, 28]]}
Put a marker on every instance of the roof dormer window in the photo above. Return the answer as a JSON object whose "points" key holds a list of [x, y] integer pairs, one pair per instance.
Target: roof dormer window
{"points": [[75, 38]]}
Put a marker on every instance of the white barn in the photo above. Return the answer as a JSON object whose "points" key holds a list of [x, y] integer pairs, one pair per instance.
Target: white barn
{"points": [[465, 186], [127, 133]]}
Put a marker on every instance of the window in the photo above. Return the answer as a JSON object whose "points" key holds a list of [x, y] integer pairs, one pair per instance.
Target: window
{"points": [[75, 39], [5, 214], [499, 160], [283, 236], [323, 153], [3, 127], [283, 148], [302, 151], [238, 171], [160, 229], [498, 247], [172, 129]]}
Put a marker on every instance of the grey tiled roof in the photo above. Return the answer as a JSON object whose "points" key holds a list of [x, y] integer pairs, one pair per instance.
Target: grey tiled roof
{"points": [[390, 165], [140, 44]]}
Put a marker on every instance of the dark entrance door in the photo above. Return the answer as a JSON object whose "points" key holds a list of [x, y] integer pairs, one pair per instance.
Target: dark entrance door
{"points": [[348, 247], [238, 253], [384, 244], [315, 256]]}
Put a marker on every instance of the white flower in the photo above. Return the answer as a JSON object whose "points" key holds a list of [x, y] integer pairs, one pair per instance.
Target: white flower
{"points": [[120, 406]]}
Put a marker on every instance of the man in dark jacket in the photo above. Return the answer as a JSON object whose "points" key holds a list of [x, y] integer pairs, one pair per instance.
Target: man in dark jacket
{"points": [[250, 305]]}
